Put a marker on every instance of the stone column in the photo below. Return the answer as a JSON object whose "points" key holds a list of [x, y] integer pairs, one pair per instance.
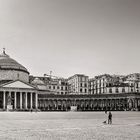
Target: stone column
{"points": [[102, 104], [9, 98], [31, 99], [110, 104], [119, 104], [136, 104], [26, 100], [4, 99], [56, 104], [15, 102], [20, 100], [115, 103], [106, 104], [36, 100]]}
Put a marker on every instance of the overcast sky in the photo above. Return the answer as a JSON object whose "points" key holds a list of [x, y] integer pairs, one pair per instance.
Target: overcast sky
{"points": [[66, 37]]}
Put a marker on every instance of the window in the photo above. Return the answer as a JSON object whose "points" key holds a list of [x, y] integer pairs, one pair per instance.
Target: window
{"points": [[57, 87], [117, 90], [81, 85], [123, 89], [85, 85], [103, 90], [85, 90], [61, 88], [53, 87], [110, 90], [62, 83], [81, 90]]}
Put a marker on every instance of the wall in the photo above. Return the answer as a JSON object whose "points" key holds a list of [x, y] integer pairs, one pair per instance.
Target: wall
{"points": [[14, 75]]}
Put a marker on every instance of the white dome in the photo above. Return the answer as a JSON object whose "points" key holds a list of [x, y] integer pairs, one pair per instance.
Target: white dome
{"points": [[37, 81]]}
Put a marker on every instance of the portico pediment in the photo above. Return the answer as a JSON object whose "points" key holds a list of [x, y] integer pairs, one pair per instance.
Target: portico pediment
{"points": [[18, 84]]}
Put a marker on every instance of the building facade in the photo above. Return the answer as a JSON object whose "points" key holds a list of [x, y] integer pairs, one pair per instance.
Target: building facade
{"points": [[112, 102], [53, 85], [78, 84], [20, 91], [106, 84]]}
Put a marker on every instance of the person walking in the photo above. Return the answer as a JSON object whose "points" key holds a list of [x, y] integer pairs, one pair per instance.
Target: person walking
{"points": [[106, 117], [110, 118]]}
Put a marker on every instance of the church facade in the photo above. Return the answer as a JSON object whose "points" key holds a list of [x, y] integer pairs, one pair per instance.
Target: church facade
{"points": [[15, 91], [17, 95], [19, 91]]}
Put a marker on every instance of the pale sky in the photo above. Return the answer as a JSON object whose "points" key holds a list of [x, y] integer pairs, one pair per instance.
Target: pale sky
{"points": [[67, 37]]}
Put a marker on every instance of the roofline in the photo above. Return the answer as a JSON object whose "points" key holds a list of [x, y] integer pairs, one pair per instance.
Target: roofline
{"points": [[20, 81], [14, 69], [77, 75]]}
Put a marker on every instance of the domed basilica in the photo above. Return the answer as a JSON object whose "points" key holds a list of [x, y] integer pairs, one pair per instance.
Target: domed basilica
{"points": [[15, 91]]}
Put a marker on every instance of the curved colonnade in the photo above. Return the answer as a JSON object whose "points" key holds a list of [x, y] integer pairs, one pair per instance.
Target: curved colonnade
{"points": [[56, 103]]}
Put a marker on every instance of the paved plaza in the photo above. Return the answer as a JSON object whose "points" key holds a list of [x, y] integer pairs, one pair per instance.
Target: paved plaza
{"points": [[68, 126]]}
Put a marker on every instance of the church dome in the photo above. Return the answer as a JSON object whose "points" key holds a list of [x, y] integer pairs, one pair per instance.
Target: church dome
{"points": [[8, 63], [37, 81], [10, 69], [39, 84]]}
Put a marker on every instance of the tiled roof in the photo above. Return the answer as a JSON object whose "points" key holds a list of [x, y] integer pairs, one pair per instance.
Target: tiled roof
{"points": [[8, 63], [4, 81]]}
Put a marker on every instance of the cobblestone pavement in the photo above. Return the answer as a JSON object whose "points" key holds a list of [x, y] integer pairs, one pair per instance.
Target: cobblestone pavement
{"points": [[69, 126]]}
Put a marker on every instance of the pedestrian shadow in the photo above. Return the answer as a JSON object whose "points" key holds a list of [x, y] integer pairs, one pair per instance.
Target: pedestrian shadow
{"points": [[117, 124], [105, 123]]}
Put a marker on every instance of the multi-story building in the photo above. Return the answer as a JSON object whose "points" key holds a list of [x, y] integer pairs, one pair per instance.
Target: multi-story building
{"points": [[133, 76], [105, 84], [52, 85], [78, 84], [98, 84], [134, 82], [58, 86]]}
